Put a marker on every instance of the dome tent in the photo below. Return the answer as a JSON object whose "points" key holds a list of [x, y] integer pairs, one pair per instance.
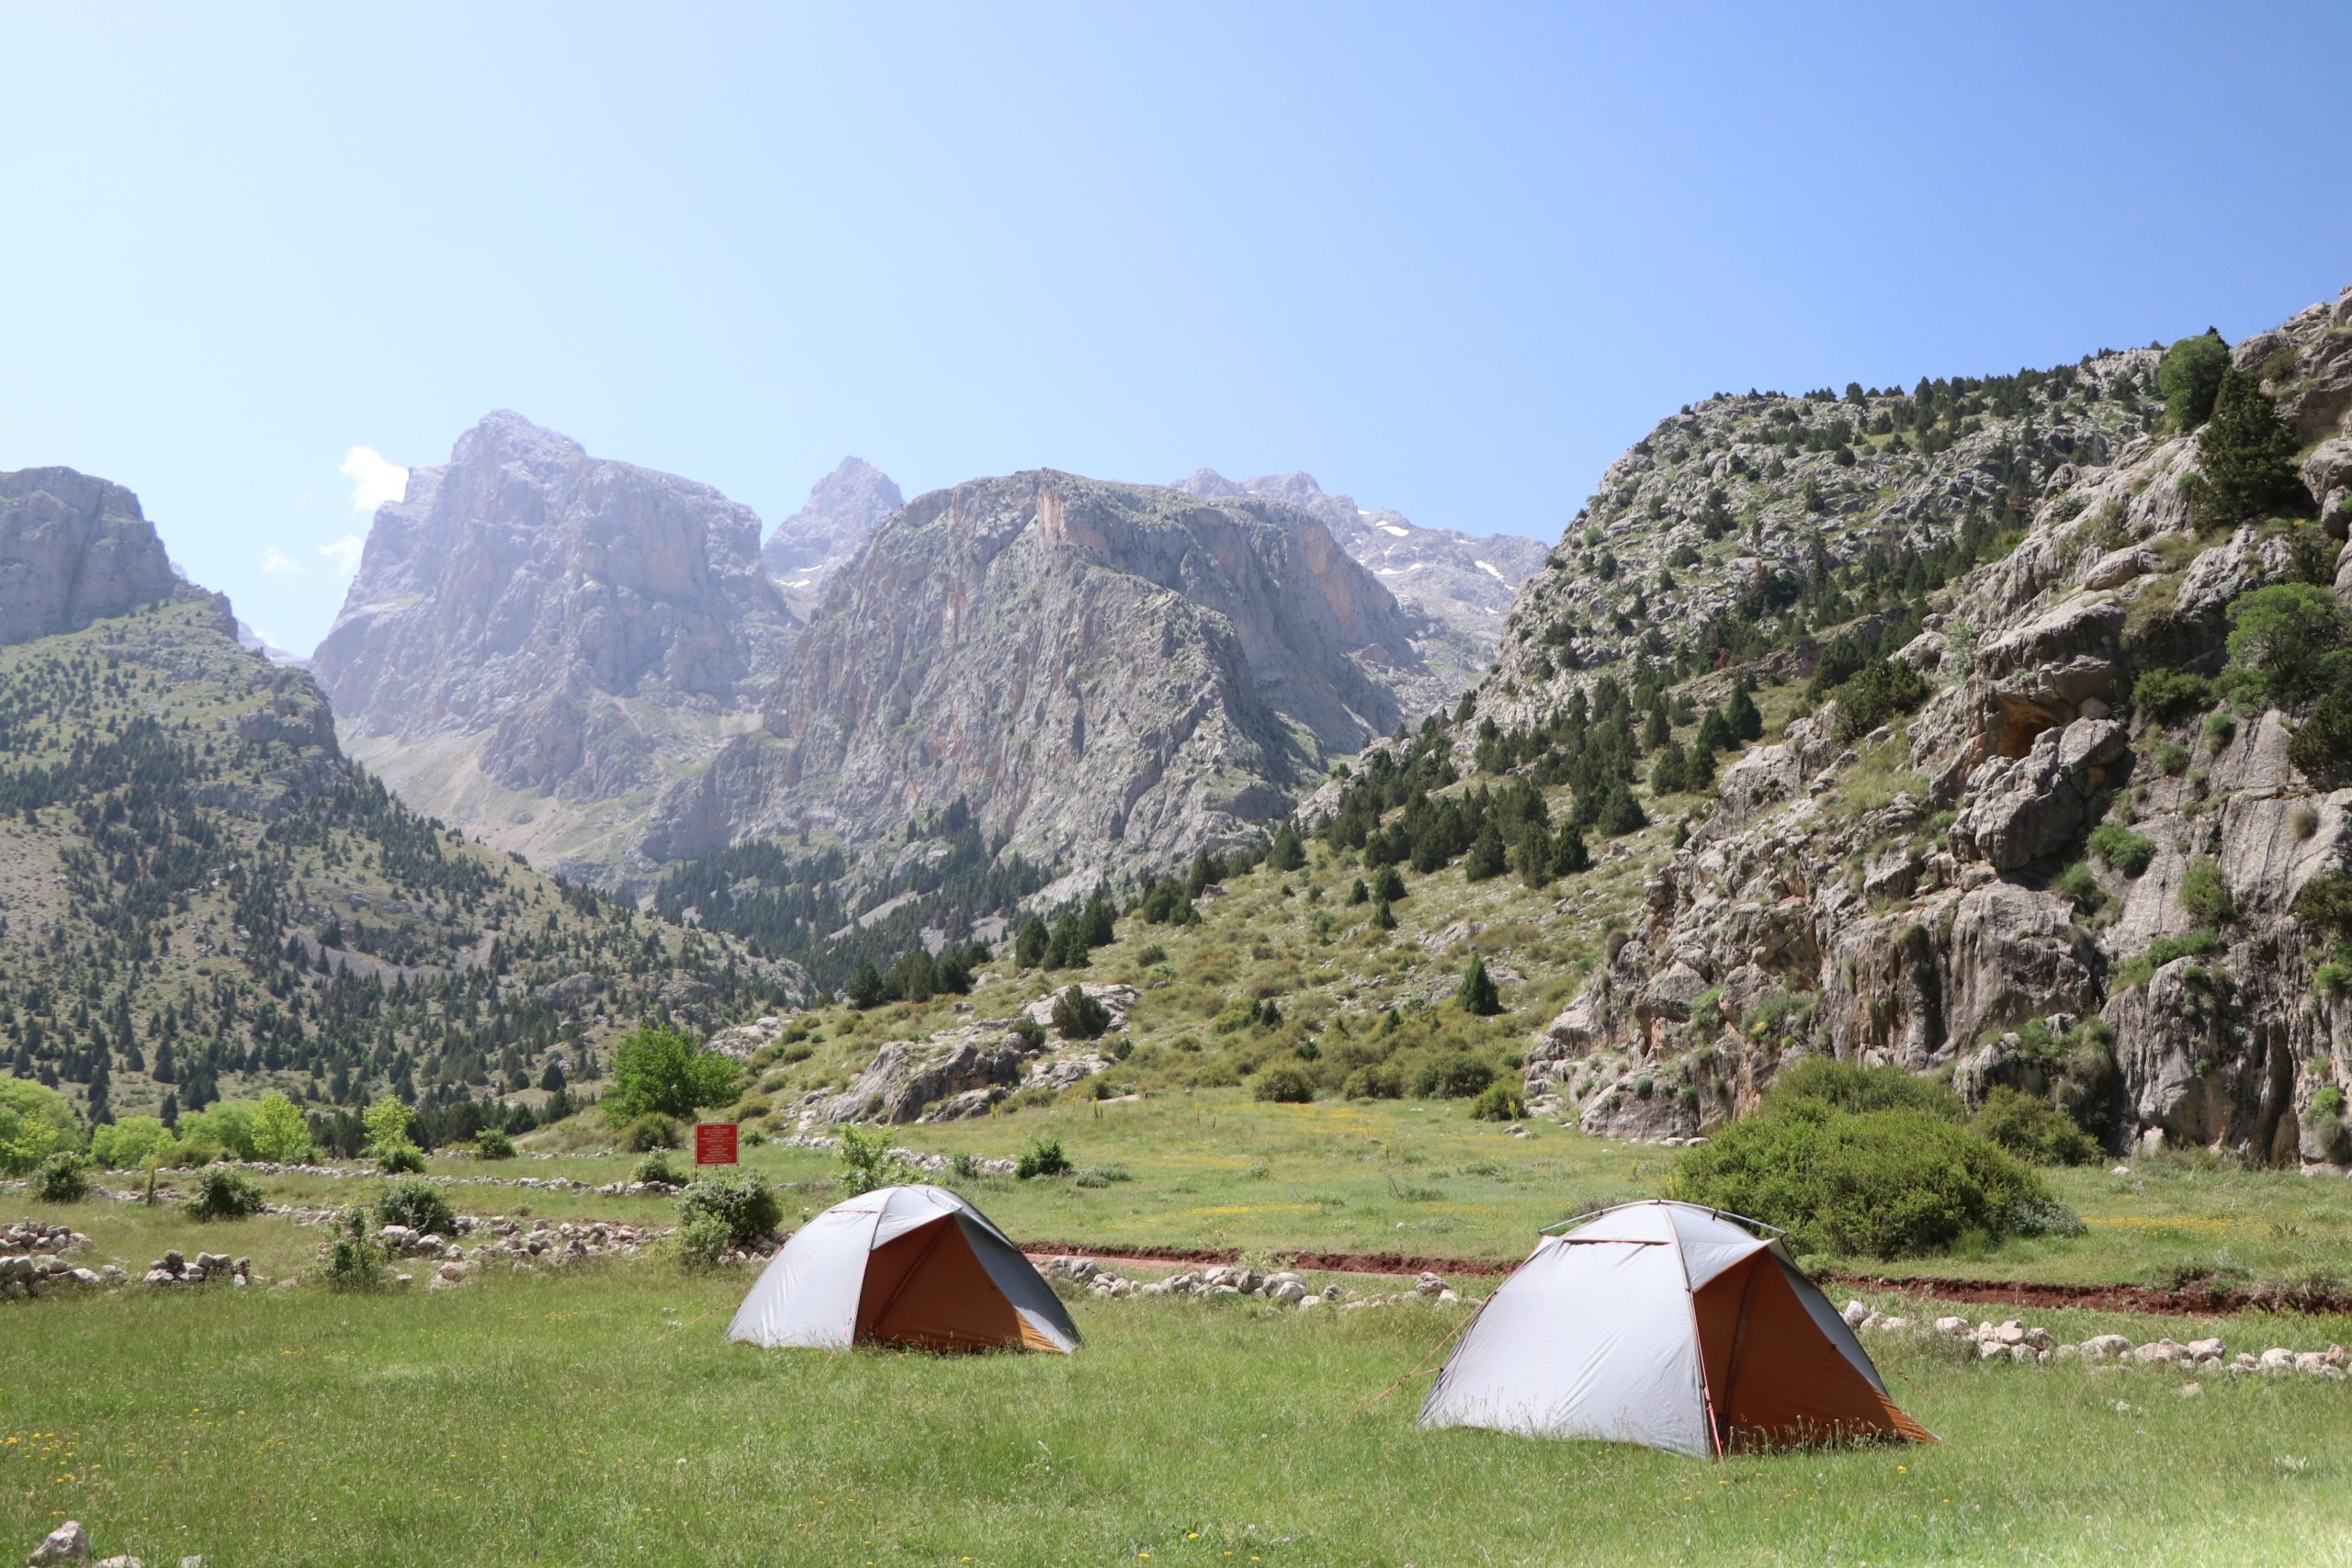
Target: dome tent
{"points": [[1670, 1325], [914, 1265]]}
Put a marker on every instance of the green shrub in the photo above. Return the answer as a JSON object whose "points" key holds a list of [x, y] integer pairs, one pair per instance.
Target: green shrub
{"points": [[1498, 1102], [869, 1162], [1881, 1184], [656, 1167], [2171, 758], [649, 1132], [36, 1122], [1044, 1156], [2322, 744], [1078, 1016], [418, 1204], [2121, 849], [1477, 993], [702, 1243], [2168, 696], [1882, 690], [223, 1194], [1452, 1077], [492, 1144], [2279, 641], [743, 1202], [1375, 1082], [2189, 378], [2033, 1130], [1151, 954], [354, 1260], [2205, 894], [1282, 1086], [62, 1179], [399, 1159], [1030, 1033], [2199, 943], [1852, 1088], [127, 1142], [2078, 884]]}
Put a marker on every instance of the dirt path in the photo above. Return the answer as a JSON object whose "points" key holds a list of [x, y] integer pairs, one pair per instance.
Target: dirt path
{"points": [[2191, 1300]]}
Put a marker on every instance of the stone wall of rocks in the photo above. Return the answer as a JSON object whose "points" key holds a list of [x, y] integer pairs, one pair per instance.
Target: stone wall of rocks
{"points": [[1281, 1288], [2032, 1345]]}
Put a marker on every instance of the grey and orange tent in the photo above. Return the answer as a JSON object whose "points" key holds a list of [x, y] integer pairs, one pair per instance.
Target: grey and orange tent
{"points": [[1666, 1325], [914, 1265]]}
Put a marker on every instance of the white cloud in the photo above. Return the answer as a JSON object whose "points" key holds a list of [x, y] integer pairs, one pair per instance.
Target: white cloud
{"points": [[346, 553], [274, 560], [373, 480]]}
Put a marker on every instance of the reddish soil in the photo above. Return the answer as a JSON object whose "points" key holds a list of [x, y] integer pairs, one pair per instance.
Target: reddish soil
{"points": [[2192, 1298]]}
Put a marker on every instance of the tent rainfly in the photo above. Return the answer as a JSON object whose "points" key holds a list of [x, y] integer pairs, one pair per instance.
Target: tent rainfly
{"points": [[1666, 1324], [913, 1266]]}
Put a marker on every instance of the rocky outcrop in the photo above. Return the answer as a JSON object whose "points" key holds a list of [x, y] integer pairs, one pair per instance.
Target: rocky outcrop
{"points": [[72, 549], [532, 622], [1111, 675], [841, 512], [1463, 582], [2163, 988]]}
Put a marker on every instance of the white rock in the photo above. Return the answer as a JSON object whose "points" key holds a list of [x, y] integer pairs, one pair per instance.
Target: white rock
{"points": [[1956, 1327], [1856, 1313], [69, 1542]]}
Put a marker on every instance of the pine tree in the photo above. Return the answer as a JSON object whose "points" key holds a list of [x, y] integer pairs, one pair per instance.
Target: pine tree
{"points": [[1390, 887], [1384, 918], [1358, 893], [1532, 856], [2246, 457], [1670, 774], [1745, 722], [1716, 733], [1286, 853], [865, 988], [1568, 854], [1067, 950], [1478, 994], [1030, 942], [1097, 924], [1656, 730], [1486, 857]]}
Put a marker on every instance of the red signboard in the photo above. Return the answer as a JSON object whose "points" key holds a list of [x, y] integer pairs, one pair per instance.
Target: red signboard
{"points": [[714, 1143]]}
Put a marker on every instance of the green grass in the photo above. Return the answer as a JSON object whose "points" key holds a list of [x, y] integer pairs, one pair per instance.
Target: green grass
{"points": [[597, 1418]]}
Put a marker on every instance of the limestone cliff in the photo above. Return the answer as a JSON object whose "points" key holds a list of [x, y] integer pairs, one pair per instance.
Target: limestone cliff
{"points": [[841, 512], [75, 550], [535, 635], [1110, 674]]}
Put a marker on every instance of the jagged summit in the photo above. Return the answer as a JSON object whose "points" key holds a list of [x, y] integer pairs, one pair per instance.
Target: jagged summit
{"points": [[533, 631], [1110, 674], [842, 509]]}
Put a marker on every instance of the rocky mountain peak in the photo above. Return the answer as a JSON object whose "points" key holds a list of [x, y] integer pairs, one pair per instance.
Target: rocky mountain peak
{"points": [[73, 549], [530, 618], [1109, 673], [842, 509]]}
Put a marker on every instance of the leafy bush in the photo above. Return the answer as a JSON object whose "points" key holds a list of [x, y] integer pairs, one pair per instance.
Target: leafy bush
{"points": [[492, 1144], [1452, 1077], [2200, 943], [743, 1203], [702, 1243], [223, 1194], [1150, 955], [2171, 758], [1883, 1184], [2322, 744], [228, 1125], [869, 1162], [1078, 1016], [130, 1142], [1282, 1086], [1884, 688], [418, 1204], [401, 1159], [2279, 641], [2168, 696], [2032, 1128], [36, 1122], [649, 1132], [2204, 894], [62, 1179], [280, 1134], [1044, 1156], [2121, 848], [1375, 1082], [2189, 378], [656, 1166], [658, 1070], [1498, 1102], [1852, 1088], [354, 1260], [1030, 1033]]}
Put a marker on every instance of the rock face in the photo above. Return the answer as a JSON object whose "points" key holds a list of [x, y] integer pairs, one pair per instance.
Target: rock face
{"points": [[535, 633], [1464, 583], [1110, 674], [1955, 918], [72, 549], [843, 511]]}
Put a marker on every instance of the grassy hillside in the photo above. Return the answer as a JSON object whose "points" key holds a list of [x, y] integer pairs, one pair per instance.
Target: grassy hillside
{"points": [[201, 898]]}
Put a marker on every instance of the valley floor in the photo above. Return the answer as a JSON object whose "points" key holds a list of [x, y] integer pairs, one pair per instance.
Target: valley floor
{"points": [[593, 1415]]}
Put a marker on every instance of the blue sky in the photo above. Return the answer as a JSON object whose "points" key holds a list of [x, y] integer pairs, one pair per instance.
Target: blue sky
{"points": [[1449, 259]]}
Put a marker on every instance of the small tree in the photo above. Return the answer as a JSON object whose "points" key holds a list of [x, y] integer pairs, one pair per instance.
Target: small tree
{"points": [[2189, 378], [1478, 994], [1745, 722], [658, 1070], [1030, 942], [2246, 457], [280, 1134], [2279, 640], [388, 1144], [869, 1162], [35, 1123], [865, 990], [1532, 858], [418, 1204], [1486, 858], [1287, 852]]}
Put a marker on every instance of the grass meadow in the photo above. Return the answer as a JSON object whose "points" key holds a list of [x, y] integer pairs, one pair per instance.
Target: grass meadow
{"points": [[596, 1418]]}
